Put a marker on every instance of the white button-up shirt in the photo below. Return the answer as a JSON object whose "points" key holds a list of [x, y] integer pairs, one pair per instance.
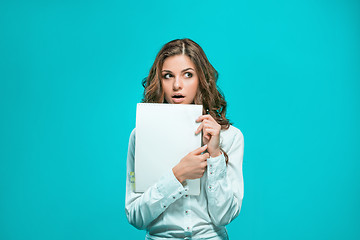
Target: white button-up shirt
{"points": [[165, 210]]}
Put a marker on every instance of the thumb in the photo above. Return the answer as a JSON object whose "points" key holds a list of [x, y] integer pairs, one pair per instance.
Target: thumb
{"points": [[199, 150]]}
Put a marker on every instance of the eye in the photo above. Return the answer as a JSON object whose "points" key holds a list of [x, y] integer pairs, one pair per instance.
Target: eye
{"points": [[167, 76], [188, 74]]}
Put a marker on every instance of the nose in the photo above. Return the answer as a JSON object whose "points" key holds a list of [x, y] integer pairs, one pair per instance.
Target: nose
{"points": [[178, 84]]}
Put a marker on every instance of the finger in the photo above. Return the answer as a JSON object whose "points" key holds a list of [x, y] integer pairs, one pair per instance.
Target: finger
{"points": [[204, 164], [199, 128], [212, 132], [200, 150], [207, 137], [208, 132], [206, 121], [206, 156], [213, 125], [202, 117], [206, 140], [208, 125], [202, 126], [206, 116]]}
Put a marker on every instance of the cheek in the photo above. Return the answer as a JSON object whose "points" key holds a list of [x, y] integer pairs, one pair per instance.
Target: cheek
{"points": [[166, 87], [195, 86]]}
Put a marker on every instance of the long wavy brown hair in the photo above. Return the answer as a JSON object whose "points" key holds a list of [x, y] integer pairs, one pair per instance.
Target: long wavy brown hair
{"points": [[208, 94]]}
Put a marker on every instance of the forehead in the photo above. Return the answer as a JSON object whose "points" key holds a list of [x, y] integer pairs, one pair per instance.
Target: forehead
{"points": [[178, 63]]}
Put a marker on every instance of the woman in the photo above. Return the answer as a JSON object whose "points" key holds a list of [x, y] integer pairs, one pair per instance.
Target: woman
{"points": [[182, 74]]}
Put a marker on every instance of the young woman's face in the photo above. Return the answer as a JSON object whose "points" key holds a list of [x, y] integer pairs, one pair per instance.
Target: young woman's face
{"points": [[179, 80]]}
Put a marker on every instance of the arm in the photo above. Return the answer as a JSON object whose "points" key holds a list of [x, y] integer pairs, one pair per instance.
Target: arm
{"points": [[225, 188], [142, 208]]}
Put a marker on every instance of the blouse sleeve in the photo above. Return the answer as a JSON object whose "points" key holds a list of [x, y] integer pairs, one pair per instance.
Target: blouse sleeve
{"points": [[225, 186], [142, 208]]}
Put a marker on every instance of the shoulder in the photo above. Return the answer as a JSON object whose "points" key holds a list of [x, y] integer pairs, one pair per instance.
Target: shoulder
{"points": [[232, 132]]}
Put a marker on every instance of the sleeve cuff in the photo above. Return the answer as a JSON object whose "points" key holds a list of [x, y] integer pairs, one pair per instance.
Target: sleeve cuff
{"points": [[216, 167], [170, 188]]}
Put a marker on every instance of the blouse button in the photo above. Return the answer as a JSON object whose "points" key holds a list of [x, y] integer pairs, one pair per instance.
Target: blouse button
{"points": [[186, 195], [174, 197]]}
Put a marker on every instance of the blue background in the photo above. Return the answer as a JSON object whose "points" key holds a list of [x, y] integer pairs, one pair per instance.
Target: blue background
{"points": [[70, 78]]}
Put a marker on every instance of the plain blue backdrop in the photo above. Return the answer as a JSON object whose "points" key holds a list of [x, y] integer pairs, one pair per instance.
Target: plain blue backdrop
{"points": [[70, 78]]}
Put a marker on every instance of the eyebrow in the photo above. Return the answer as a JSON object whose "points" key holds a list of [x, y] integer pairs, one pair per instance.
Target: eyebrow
{"points": [[186, 69]]}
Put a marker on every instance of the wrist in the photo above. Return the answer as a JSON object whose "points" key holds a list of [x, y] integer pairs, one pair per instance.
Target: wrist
{"points": [[177, 174], [215, 153]]}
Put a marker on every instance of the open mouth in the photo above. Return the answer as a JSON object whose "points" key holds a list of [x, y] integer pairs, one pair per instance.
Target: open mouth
{"points": [[178, 97]]}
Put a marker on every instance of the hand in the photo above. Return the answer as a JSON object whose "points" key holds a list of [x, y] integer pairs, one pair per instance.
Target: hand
{"points": [[211, 134], [192, 166]]}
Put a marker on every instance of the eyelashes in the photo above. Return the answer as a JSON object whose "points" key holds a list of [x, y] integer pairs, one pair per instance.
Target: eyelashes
{"points": [[168, 75], [188, 74]]}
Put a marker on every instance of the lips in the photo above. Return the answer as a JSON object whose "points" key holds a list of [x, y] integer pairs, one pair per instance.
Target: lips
{"points": [[178, 97]]}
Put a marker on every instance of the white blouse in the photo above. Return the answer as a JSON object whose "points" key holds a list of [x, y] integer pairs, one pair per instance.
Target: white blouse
{"points": [[166, 211]]}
